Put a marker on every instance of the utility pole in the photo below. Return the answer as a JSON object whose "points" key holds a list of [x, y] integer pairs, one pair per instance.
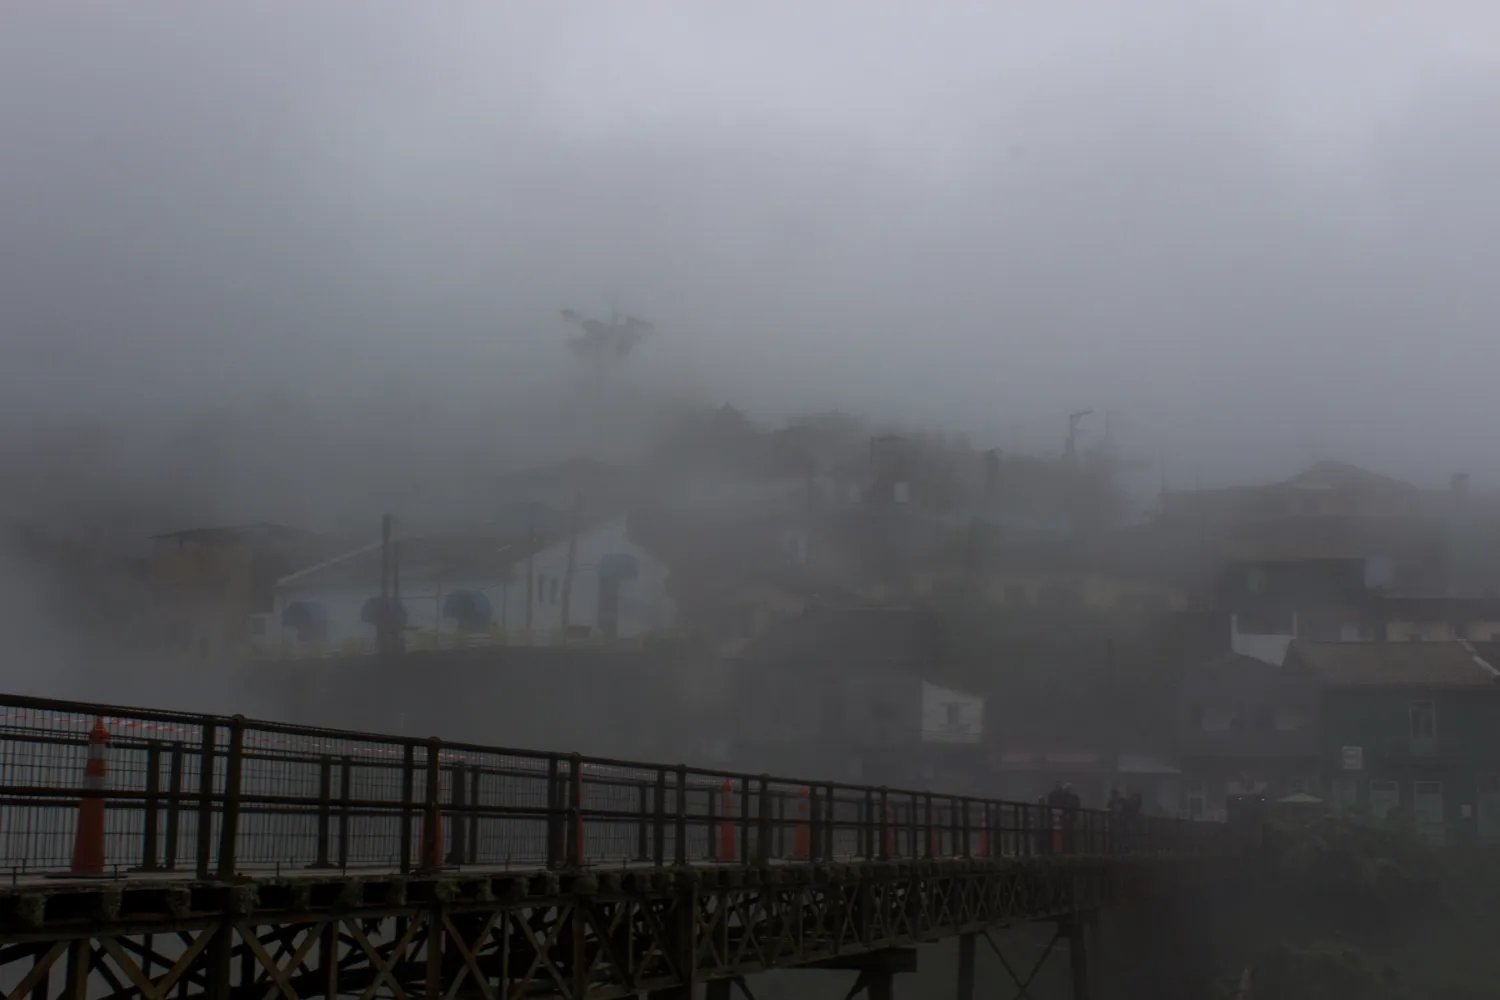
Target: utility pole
{"points": [[382, 625], [530, 564], [1070, 450], [567, 594], [398, 636]]}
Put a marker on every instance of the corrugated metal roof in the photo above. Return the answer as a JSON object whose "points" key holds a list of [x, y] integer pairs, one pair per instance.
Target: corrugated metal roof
{"points": [[1377, 664]]}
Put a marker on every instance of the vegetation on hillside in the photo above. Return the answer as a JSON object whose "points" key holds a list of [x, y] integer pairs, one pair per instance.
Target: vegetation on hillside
{"points": [[1355, 910]]}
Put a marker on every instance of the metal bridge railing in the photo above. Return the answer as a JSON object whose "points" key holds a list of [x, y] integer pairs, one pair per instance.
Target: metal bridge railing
{"points": [[211, 796]]}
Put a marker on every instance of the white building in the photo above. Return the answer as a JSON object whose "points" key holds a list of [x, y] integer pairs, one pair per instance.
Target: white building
{"points": [[453, 585]]}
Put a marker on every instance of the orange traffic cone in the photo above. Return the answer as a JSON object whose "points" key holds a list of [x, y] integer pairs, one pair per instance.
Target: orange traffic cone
{"points": [[88, 840], [726, 825], [803, 839]]}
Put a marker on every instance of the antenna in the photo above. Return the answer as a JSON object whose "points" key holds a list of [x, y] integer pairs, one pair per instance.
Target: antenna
{"points": [[1070, 450]]}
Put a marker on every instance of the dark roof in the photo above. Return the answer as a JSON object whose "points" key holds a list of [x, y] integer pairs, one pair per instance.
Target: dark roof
{"points": [[1332, 474], [851, 639], [1383, 664], [426, 559], [252, 533]]}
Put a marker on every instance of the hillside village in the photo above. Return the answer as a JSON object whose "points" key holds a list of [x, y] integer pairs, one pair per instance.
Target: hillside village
{"points": [[896, 607]]}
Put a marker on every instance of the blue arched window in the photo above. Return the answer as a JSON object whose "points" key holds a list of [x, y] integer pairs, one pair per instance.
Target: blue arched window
{"points": [[308, 619], [469, 608], [370, 613]]}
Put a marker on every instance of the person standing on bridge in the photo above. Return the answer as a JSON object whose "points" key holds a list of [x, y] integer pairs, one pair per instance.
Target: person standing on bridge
{"points": [[1071, 804], [1116, 807]]}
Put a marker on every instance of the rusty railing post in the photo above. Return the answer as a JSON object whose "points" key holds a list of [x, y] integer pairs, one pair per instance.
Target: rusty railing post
{"points": [[815, 824], [763, 826], [174, 805], [207, 760], [659, 828], [712, 814], [680, 852], [150, 846], [930, 848], [229, 832], [575, 811], [408, 792], [885, 824], [554, 832], [346, 778], [963, 806], [642, 821], [432, 800], [325, 812], [744, 820], [458, 802]]}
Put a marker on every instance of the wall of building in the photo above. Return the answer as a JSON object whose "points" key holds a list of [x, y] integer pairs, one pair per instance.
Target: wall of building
{"points": [[1269, 647], [1096, 591], [1373, 757], [644, 606], [204, 592], [642, 704], [1408, 630], [950, 716]]}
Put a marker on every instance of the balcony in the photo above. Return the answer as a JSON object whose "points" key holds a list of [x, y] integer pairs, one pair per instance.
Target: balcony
{"points": [[1408, 749], [1197, 742]]}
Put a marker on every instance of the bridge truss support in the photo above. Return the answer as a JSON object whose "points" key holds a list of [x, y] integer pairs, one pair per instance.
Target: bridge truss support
{"points": [[1072, 931], [576, 935]]}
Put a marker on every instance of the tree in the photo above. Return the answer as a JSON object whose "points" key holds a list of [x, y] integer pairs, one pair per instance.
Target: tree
{"points": [[606, 343]]}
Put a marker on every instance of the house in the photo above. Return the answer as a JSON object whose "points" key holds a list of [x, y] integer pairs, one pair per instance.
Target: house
{"points": [[457, 585], [1323, 488], [732, 577], [214, 587], [852, 694], [1246, 726], [1411, 726]]}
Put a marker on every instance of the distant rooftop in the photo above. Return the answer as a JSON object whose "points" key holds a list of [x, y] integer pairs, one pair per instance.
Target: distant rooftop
{"points": [[1394, 664], [259, 531]]}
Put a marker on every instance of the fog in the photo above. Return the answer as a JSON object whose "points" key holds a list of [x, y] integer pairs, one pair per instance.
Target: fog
{"points": [[305, 263], [1263, 234]]}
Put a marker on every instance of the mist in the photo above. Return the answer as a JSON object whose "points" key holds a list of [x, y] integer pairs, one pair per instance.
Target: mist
{"points": [[305, 264]]}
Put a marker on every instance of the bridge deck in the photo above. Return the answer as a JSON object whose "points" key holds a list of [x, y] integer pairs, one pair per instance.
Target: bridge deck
{"points": [[231, 857]]}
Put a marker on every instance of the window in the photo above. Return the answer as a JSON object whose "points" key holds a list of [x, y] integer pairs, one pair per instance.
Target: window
{"points": [[1289, 720], [554, 590], [1427, 805], [1197, 799], [1061, 594], [1385, 798], [1266, 621], [1423, 719], [953, 709]]}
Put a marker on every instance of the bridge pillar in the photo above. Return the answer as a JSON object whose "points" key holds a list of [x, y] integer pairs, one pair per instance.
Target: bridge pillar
{"points": [[877, 970], [966, 966], [1073, 929]]}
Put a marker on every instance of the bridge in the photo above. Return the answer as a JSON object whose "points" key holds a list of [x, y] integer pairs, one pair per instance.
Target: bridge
{"points": [[146, 852]]}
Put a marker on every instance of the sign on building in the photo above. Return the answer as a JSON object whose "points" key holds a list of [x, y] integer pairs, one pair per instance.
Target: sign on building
{"points": [[1354, 758]]}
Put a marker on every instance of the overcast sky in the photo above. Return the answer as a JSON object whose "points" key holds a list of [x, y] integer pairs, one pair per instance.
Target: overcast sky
{"points": [[1263, 232]]}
